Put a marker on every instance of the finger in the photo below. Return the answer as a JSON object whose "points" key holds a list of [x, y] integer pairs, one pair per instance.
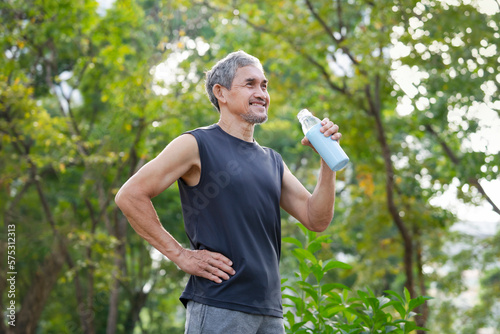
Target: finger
{"points": [[206, 270], [221, 267], [331, 130], [326, 124], [212, 277], [337, 136], [221, 262], [305, 141], [222, 258], [209, 270], [219, 273]]}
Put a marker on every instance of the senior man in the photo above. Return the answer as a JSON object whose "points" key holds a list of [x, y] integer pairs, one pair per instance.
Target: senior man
{"points": [[231, 191]]}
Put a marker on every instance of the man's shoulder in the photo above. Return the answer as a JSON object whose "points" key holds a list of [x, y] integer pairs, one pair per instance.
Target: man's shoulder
{"points": [[203, 128], [201, 132], [271, 151]]}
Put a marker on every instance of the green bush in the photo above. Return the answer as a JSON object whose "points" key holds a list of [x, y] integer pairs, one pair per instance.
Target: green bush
{"points": [[313, 307]]}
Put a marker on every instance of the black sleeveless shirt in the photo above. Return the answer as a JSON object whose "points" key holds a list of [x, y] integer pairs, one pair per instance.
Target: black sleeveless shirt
{"points": [[235, 210]]}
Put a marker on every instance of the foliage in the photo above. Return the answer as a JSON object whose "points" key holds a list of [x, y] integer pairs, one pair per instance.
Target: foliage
{"points": [[76, 111], [316, 307]]}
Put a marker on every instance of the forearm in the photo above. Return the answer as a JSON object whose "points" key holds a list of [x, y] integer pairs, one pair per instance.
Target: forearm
{"points": [[142, 216], [322, 201]]}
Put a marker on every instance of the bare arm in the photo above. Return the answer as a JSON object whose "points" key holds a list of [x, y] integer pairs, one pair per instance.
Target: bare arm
{"points": [[314, 211], [179, 159]]}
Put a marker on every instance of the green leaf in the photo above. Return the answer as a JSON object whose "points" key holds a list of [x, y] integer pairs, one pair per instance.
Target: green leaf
{"points": [[409, 326], [325, 288], [293, 241], [390, 329], [395, 294], [363, 295], [317, 272], [331, 264], [391, 303], [298, 325], [304, 269], [302, 254], [407, 295], [417, 302], [331, 311], [298, 302], [316, 244], [400, 309]]}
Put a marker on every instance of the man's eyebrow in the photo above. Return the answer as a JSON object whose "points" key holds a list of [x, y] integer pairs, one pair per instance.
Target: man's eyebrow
{"points": [[253, 80]]}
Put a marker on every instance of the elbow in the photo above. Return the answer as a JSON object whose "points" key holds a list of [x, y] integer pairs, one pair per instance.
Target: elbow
{"points": [[320, 225], [120, 199], [319, 216], [130, 196]]}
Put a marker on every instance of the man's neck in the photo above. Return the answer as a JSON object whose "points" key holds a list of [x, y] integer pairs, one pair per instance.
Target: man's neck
{"points": [[238, 128]]}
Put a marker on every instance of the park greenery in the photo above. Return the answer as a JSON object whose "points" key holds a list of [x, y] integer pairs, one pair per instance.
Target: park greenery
{"points": [[89, 93]]}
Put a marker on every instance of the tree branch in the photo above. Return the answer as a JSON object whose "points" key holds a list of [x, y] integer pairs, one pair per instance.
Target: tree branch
{"points": [[340, 19], [306, 55], [330, 32], [456, 161], [325, 26], [443, 144], [475, 183]]}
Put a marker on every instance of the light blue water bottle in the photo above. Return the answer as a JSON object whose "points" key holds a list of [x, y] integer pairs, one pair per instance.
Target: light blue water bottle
{"points": [[327, 148]]}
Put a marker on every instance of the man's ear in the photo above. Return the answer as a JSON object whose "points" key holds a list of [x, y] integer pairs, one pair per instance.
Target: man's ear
{"points": [[219, 92]]}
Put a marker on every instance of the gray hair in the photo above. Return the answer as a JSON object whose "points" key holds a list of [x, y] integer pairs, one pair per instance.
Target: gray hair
{"points": [[224, 72]]}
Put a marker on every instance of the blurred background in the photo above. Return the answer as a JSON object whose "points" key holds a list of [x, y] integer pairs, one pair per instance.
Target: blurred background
{"points": [[92, 90]]}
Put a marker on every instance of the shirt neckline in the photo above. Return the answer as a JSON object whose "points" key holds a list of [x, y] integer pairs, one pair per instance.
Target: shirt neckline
{"points": [[254, 142]]}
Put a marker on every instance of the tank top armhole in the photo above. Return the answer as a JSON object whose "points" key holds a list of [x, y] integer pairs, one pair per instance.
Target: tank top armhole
{"points": [[281, 165], [201, 153]]}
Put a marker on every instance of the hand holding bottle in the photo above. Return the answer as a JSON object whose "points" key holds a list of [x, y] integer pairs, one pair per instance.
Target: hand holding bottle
{"points": [[323, 139], [328, 129]]}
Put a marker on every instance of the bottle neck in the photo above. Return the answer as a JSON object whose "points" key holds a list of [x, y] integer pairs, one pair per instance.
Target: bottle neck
{"points": [[307, 120]]}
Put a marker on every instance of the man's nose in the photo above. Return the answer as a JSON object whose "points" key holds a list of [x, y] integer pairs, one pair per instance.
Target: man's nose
{"points": [[260, 92]]}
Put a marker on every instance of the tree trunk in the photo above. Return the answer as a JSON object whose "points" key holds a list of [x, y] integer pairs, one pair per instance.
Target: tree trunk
{"points": [[9, 218], [138, 301], [120, 232], [38, 293], [423, 309], [374, 110]]}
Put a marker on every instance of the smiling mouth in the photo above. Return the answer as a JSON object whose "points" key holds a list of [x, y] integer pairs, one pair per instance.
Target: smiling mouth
{"points": [[260, 104]]}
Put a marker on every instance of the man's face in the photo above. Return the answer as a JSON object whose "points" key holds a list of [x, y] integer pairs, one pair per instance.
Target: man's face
{"points": [[248, 95]]}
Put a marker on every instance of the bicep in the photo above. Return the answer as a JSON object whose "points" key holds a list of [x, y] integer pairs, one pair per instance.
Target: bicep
{"points": [[294, 197], [173, 162]]}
